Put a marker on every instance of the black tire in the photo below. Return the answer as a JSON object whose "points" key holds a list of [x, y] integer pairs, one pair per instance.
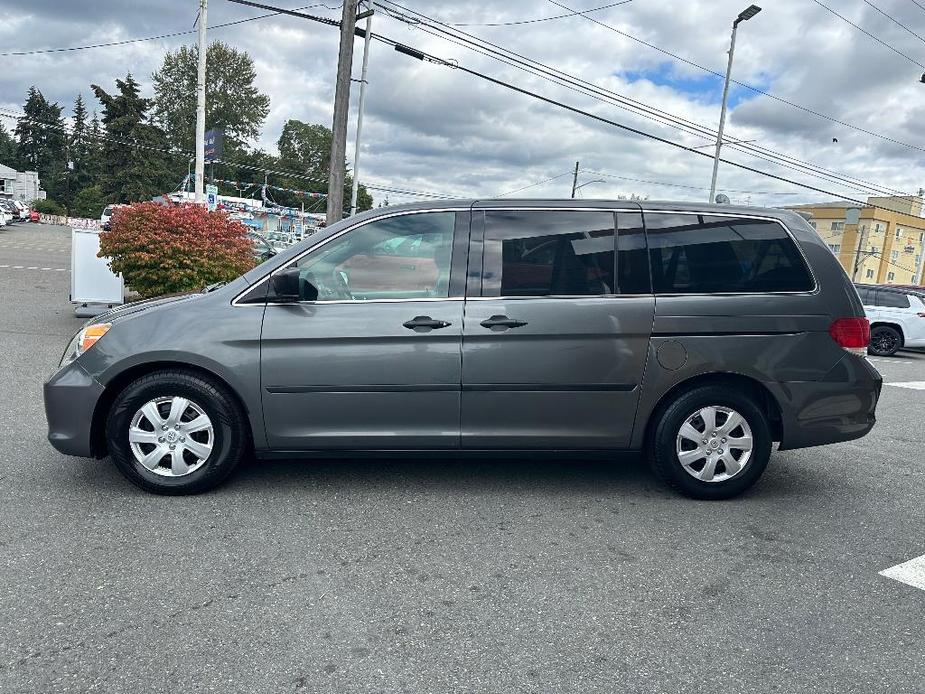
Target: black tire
{"points": [[229, 430], [885, 341], [664, 437]]}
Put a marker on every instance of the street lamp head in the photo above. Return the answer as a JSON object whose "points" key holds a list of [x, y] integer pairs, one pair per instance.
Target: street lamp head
{"points": [[748, 13]]}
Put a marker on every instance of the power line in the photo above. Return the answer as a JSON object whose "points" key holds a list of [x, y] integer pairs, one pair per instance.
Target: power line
{"points": [[895, 21], [919, 5], [681, 185], [745, 85], [152, 38], [538, 19], [582, 86], [533, 185], [867, 33]]}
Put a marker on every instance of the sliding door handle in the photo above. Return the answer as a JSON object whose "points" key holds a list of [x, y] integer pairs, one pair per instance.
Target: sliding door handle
{"points": [[497, 323]]}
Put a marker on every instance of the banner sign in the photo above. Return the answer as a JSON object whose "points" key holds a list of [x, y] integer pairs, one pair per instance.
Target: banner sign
{"points": [[214, 144]]}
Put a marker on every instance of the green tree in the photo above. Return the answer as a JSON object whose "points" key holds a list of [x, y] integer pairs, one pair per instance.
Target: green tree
{"points": [[305, 148], [41, 141], [94, 164], [89, 203], [135, 159], [80, 148], [233, 102], [7, 148]]}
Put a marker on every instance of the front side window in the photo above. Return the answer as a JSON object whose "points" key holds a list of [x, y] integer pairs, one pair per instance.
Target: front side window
{"points": [[702, 254], [548, 253], [405, 257]]}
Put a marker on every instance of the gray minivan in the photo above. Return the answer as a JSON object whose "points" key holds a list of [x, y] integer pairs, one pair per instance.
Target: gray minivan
{"points": [[698, 334]]}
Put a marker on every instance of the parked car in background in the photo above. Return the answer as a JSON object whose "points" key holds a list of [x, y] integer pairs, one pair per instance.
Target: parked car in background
{"points": [[35, 216], [10, 211], [4, 216], [23, 210], [897, 318], [106, 217], [699, 335]]}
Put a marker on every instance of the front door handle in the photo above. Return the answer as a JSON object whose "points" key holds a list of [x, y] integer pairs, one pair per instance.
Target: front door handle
{"points": [[497, 323], [421, 324]]}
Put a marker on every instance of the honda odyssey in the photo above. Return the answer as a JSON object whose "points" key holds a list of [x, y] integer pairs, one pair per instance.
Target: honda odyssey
{"points": [[700, 335]]}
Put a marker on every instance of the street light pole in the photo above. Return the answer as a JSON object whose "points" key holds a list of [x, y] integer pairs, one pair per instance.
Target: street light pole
{"points": [[744, 15], [362, 102], [201, 104]]}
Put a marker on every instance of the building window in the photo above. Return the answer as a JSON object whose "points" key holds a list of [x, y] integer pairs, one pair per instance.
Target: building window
{"points": [[918, 260], [870, 274], [838, 226], [894, 255], [878, 227], [874, 249], [890, 276], [812, 223], [922, 237], [835, 247], [899, 233]]}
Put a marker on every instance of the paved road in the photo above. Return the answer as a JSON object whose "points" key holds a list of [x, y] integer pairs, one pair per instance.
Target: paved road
{"points": [[445, 576]]}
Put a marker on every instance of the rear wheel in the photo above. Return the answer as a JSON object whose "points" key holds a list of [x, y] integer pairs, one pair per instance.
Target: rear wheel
{"points": [[712, 442], [173, 432], [885, 341]]}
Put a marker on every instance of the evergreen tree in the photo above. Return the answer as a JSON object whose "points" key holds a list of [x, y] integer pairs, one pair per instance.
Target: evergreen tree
{"points": [[94, 164], [41, 142], [136, 165], [80, 148], [7, 148]]}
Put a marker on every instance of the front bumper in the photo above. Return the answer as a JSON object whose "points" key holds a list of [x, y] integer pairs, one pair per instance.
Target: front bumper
{"points": [[841, 407], [71, 396]]}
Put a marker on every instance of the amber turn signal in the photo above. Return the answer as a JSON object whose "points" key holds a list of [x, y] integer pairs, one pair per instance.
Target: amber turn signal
{"points": [[91, 335]]}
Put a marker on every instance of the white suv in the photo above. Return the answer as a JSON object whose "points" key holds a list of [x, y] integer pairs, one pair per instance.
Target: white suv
{"points": [[897, 317]]}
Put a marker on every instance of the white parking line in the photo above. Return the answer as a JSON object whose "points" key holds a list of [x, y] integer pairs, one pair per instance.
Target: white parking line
{"points": [[914, 385], [33, 267], [891, 361], [912, 572]]}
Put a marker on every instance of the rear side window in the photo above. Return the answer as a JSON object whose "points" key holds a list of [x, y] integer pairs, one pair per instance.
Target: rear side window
{"points": [[548, 253], [866, 295], [702, 254], [892, 300]]}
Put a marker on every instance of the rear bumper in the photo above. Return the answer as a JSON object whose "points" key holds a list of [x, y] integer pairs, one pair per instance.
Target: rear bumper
{"points": [[71, 396], [841, 407]]}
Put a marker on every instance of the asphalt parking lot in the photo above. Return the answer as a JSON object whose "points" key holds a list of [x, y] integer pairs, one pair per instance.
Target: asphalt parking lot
{"points": [[562, 575]]}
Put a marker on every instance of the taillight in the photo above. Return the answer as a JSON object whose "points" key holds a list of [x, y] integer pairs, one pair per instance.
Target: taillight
{"points": [[853, 334]]}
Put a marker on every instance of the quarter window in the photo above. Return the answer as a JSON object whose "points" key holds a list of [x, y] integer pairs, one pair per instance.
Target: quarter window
{"points": [[405, 257], [701, 254], [548, 253]]}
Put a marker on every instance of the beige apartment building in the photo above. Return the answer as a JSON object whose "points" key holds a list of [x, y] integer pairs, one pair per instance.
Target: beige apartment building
{"points": [[885, 246]]}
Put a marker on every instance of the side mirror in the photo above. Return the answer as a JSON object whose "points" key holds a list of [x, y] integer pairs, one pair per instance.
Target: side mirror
{"points": [[286, 285]]}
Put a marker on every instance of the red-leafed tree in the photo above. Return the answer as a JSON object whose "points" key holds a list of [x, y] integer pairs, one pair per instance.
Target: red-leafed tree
{"points": [[164, 250]]}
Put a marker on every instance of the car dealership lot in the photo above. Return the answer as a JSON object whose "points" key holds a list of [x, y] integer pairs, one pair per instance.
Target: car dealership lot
{"points": [[555, 574]]}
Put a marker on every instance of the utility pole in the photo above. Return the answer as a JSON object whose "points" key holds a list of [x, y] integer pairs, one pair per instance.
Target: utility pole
{"points": [[575, 180], [356, 150], [341, 111], [201, 104], [859, 253]]}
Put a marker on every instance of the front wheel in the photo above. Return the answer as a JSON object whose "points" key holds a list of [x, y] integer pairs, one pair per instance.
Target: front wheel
{"points": [[174, 432], [885, 341], [711, 443]]}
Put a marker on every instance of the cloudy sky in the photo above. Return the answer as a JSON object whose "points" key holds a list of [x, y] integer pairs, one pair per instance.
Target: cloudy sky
{"points": [[430, 128]]}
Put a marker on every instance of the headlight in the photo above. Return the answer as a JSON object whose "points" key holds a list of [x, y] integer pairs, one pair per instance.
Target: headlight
{"points": [[83, 341]]}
